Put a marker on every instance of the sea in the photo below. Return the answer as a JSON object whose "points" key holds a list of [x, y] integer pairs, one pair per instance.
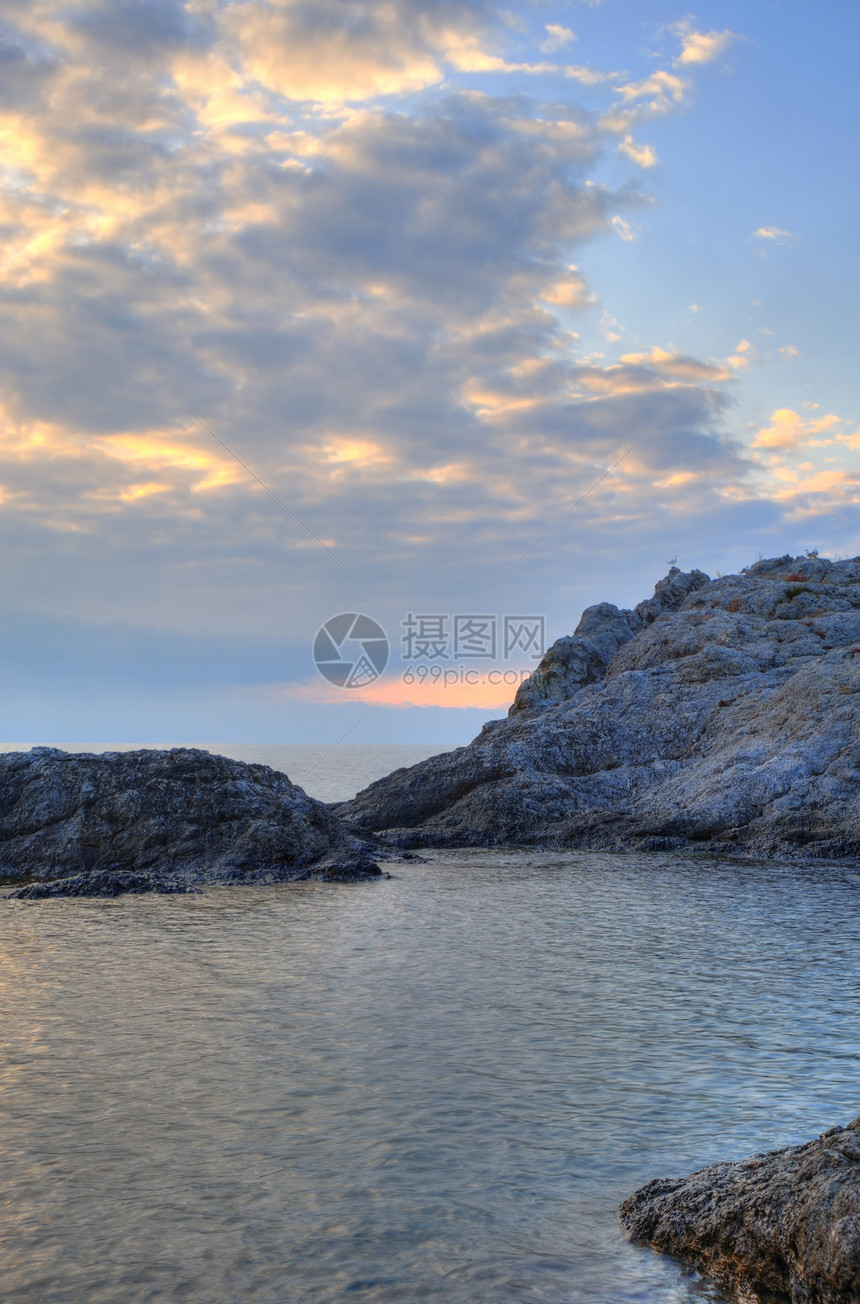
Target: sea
{"points": [[434, 1089]]}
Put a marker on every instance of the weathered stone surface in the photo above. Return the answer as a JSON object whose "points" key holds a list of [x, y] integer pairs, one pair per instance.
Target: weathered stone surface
{"points": [[720, 714], [584, 657], [784, 1224], [84, 825]]}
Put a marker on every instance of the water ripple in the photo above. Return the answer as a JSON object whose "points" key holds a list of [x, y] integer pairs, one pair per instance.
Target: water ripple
{"points": [[434, 1089]]}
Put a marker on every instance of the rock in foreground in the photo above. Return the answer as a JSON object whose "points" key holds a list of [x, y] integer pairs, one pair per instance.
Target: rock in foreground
{"points": [[721, 715], [85, 825], [783, 1224]]}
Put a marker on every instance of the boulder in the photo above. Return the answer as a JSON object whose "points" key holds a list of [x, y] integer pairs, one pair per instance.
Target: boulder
{"points": [[720, 714], [163, 821], [784, 1224]]}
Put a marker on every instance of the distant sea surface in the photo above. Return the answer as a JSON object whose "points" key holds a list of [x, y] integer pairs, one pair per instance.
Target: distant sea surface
{"points": [[434, 1089]]}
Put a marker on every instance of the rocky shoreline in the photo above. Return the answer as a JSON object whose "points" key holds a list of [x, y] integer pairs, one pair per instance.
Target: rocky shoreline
{"points": [[162, 821], [783, 1225], [720, 715]]}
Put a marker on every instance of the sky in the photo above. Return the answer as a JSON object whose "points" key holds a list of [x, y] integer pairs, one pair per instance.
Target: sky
{"points": [[433, 311]]}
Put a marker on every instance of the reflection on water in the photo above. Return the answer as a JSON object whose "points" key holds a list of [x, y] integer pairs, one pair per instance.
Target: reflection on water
{"points": [[436, 1088]]}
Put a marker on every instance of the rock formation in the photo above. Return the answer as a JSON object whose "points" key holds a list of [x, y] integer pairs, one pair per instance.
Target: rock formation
{"points": [[784, 1224], [83, 825], [720, 715]]}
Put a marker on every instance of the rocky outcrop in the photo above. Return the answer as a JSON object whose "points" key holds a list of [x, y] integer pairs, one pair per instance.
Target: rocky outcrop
{"points": [[83, 825], [784, 1224], [721, 714], [585, 656]]}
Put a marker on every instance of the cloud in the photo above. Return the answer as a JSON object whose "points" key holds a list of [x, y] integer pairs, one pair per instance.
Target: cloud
{"points": [[332, 54], [487, 688], [743, 356], [570, 291], [324, 51], [678, 366], [611, 329], [700, 47], [361, 269], [789, 431], [351, 238], [557, 37], [799, 471], [656, 95], [623, 228], [645, 156], [660, 89], [775, 233]]}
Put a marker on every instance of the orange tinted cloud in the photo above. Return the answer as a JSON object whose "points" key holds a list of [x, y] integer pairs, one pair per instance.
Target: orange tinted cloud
{"points": [[788, 430], [38, 443], [490, 690], [701, 47]]}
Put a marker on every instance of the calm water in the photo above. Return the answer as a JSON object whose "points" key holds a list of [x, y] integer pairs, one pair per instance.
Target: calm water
{"points": [[432, 1089], [436, 1088]]}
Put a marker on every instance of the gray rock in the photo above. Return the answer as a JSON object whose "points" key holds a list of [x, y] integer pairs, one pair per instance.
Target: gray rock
{"points": [[83, 825], [719, 714], [583, 657], [784, 1224], [577, 659]]}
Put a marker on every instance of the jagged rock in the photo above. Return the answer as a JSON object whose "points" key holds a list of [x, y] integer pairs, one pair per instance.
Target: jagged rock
{"points": [[720, 714], [583, 657], [784, 1224], [83, 825], [578, 658]]}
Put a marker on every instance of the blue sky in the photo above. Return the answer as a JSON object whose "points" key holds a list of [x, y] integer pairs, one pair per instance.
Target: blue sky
{"points": [[424, 270]]}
